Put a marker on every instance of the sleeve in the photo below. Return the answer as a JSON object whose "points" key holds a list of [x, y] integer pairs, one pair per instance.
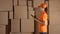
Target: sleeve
{"points": [[41, 17]]}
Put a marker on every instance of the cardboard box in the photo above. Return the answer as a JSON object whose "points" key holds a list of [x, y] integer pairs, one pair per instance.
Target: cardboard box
{"points": [[23, 2], [2, 29], [20, 12], [5, 5], [31, 11], [27, 25], [4, 18], [30, 3], [15, 25]]}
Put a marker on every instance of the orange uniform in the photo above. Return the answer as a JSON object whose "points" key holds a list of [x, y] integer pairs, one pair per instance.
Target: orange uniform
{"points": [[43, 17]]}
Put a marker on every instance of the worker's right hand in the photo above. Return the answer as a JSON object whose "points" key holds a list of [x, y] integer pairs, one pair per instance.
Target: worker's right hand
{"points": [[42, 23]]}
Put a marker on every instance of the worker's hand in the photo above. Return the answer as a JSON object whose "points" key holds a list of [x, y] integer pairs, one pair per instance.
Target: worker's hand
{"points": [[43, 23]]}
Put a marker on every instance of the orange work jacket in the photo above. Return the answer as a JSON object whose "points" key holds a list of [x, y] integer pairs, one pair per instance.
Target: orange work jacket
{"points": [[43, 17]]}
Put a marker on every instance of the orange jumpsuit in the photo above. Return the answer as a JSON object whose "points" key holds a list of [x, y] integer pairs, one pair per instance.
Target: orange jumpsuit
{"points": [[43, 17]]}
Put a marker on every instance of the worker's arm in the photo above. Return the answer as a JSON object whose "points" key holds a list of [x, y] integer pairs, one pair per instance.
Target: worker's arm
{"points": [[38, 21]]}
